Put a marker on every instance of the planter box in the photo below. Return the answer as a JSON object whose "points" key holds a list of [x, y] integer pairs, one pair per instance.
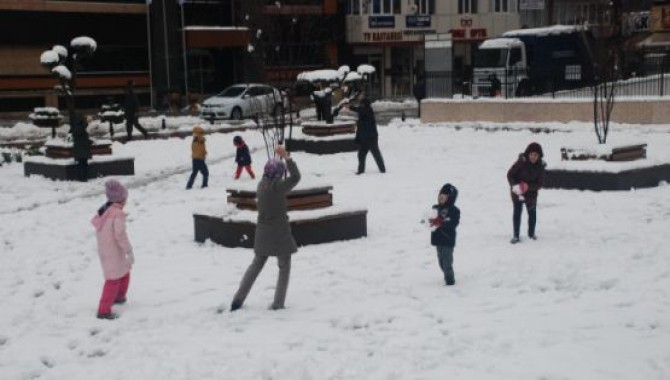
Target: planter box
{"points": [[321, 128], [68, 171], [302, 199], [66, 152], [599, 181], [322, 229], [322, 146]]}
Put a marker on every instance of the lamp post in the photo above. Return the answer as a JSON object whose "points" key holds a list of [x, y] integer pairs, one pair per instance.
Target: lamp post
{"points": [[151, 74], [183, 44]]}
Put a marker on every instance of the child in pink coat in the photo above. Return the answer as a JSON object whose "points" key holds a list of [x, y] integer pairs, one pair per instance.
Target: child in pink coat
{"points": [[114, 249]]}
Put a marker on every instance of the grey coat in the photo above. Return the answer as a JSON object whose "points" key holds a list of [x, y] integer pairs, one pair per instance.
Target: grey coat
{"points": [[273, 231]]}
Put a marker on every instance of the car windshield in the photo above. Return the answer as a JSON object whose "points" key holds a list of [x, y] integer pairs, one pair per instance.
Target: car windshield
{"points": [[490, 58], [232, 92]]}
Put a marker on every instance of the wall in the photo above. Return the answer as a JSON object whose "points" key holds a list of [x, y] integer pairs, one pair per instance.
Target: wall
{"points": [[503, 111]]}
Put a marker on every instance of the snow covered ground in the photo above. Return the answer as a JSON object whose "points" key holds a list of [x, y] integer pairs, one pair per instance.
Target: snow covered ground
{"points": [[590, 299]]}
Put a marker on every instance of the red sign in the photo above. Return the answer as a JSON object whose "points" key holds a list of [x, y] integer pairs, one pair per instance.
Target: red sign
{"points": [[478, 33], [457, 33]]}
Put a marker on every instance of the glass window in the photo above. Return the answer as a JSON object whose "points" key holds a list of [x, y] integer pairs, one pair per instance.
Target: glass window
{"points": [[467, 6], [515, 56], [376, 7], [232, 92], [490, 57], [426, 7]]}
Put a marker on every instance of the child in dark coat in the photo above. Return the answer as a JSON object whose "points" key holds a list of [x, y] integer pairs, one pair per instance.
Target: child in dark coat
{"points": [[444, 221], [525, 178], [242, 157]]}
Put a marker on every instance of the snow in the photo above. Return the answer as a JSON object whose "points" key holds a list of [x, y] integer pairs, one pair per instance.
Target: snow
{"points": [[500, 43], [326, 75], [49, 57], [590, 299], [60, 50], [545, 31], [365, 69], [84, 42], [62, 72]]}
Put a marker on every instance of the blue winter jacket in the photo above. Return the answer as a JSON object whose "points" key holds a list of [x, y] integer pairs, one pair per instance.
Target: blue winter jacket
{"points": [[450, 216], [242, 157]]}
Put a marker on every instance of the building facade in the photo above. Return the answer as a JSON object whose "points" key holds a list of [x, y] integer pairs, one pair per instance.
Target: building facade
{"points": [[389, 34]]}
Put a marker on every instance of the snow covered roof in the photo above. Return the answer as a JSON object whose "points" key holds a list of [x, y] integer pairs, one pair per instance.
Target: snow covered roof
{"points": [[545, 31], [500, 43]]}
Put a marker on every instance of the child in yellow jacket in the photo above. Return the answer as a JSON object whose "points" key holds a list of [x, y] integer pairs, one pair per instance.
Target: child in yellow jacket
{"points": [[198, 153]]}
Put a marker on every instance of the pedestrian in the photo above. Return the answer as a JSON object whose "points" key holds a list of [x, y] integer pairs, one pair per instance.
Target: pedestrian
{"points": [[198, 154], [242, 158], [366, 134], [445, 219], [132, 106], [525, 178], [114, 249], [81, 147], [273, 231]]}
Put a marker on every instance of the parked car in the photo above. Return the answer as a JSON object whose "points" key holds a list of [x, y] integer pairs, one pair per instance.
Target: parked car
{"points": [[242, 101]]}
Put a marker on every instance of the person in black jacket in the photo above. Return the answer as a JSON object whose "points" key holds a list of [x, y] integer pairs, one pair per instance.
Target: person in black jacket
{"points": [[366, 134], [81, 147], [242, 157], [132, 105], [445, 219], [525, 178]]}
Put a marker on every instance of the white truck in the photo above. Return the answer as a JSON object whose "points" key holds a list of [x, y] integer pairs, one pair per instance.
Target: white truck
{"points": [[534, 61]]}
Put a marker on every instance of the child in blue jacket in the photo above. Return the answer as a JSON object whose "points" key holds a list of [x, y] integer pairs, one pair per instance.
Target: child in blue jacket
{"points": [[444, 221]]}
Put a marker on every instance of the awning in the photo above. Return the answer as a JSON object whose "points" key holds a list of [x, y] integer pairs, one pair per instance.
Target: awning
{"points": [[659, 39]]}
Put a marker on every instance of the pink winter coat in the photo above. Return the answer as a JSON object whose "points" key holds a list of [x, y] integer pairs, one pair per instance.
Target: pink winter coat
{"points": [[113, 243]]}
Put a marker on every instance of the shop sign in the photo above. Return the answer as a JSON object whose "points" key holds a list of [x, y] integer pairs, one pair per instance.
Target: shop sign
{"points": [[381, 22], [476, 33], [420, 21], [382, 36]]}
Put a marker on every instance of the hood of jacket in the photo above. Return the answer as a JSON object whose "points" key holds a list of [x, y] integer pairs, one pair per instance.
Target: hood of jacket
{"points": [[99, 220]]}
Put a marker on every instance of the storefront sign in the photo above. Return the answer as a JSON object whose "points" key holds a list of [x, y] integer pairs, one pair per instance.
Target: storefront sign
{"points": [[422, 21], [531, 5], [382, 36], [476, 33], [381, 22]]}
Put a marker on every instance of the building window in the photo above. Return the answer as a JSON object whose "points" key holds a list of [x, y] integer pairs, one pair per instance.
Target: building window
{"points": [[354, 7], [384, 7], [503, 6], [425, 7], [467, 6]]}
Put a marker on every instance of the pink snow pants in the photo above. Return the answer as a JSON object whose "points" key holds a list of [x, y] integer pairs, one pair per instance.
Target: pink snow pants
{"points": [[114, 290]]}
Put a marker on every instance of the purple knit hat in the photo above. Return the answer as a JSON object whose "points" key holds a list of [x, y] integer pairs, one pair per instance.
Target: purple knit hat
{"points": [[274, 168], [115, 191]]}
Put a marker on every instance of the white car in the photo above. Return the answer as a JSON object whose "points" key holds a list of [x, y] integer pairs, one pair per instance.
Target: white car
{"points": [[242, 101]]}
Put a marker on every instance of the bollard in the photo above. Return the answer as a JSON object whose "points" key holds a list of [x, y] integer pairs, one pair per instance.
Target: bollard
{"points": [[163, 123], [402, 116]]}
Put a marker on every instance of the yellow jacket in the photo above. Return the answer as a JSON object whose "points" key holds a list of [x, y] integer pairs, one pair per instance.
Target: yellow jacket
{"points": [[198, 149]]}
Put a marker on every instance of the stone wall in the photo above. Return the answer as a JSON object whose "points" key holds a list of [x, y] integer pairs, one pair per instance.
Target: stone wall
{"points": [[541, 110]]}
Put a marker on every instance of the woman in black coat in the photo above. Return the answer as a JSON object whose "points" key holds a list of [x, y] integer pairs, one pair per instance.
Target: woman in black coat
{"points": [[525, 178], [81, 147], [366, 135]]}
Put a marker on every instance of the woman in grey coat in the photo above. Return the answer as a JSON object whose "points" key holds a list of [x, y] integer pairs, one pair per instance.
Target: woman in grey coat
{"points": [[273, 231]]}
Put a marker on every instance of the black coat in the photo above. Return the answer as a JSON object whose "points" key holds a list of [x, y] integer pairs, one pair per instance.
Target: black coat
{"points": [[450, 217], [532, 174], [132, 103], [242, 156], [366, 130], [81, 144]]}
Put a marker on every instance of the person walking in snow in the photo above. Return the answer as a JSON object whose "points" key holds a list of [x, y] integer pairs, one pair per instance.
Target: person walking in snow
{"points": [[132, 107], [242, 158], [198, 155], [446, 217], [81, 147], [367, 136], [114, 249], [525, 178], [273, 231]]}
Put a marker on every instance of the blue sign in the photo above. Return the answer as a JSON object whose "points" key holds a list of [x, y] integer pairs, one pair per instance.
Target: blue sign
{"points": [[422, 21], [381, 22]]}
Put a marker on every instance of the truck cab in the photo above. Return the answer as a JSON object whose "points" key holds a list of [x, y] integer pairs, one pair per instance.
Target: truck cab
{"points": [[500, 66]]}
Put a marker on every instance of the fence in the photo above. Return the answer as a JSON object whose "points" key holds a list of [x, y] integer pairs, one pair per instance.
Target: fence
{"points": [[653, 79]]}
